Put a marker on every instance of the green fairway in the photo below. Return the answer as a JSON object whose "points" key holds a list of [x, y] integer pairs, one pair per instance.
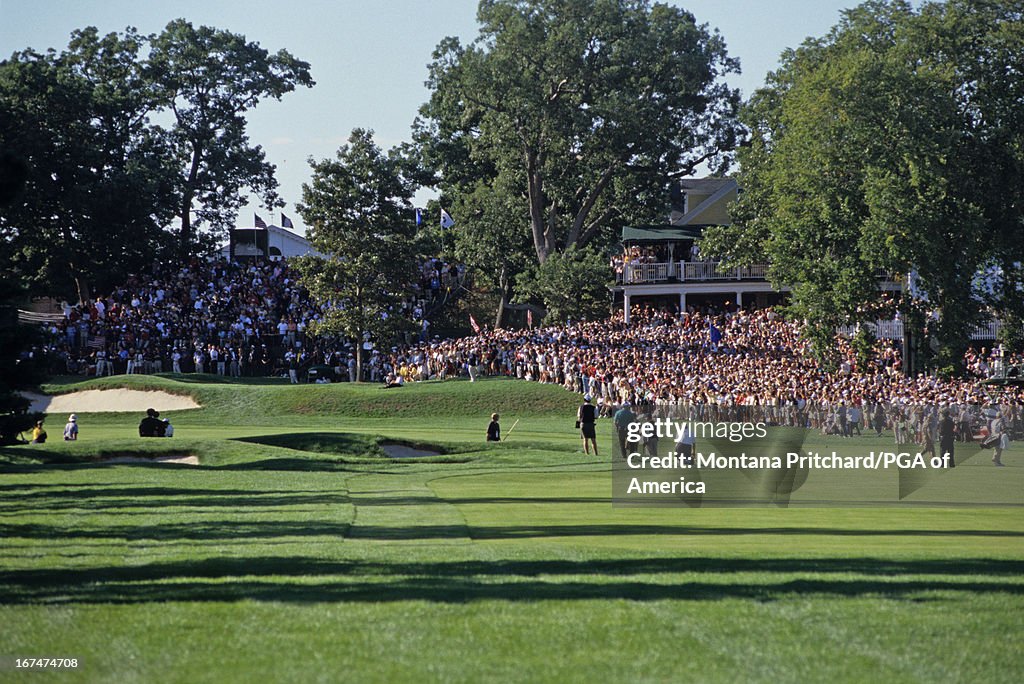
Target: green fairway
{"points": [[298, 551]]}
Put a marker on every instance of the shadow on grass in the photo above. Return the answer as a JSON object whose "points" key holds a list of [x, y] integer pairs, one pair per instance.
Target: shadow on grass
{"points": [[366, 446], [319, 442], [195, 530], [370, 500], [120, 499], [650, 579], [269, 529], [72, 462]]}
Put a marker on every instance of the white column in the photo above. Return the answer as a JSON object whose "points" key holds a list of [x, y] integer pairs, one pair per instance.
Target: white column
{"points": [[739, 300], [625, 296], [682, 302]]}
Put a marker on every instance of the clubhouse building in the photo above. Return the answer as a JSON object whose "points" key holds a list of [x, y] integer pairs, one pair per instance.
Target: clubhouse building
{"points": [[662, 265]]}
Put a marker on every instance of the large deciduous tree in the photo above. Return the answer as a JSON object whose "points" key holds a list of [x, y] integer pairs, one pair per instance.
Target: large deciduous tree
{"points": [[358, 210], [895, 143], [104, 180], [578, 111], [18, 371], [99, 176], [211, 78]]}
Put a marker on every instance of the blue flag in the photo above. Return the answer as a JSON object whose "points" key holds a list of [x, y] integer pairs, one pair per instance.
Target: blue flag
{"points": [[420, 216], [716, 334]]}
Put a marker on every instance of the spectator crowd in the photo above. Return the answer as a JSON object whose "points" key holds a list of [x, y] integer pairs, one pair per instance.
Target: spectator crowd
{"points": [[217, 317], [230, 319]]}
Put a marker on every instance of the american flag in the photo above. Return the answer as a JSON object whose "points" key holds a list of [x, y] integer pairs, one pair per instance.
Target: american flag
{"points": [[472, 322], [286, 222], [260, 223], [96, 342]]}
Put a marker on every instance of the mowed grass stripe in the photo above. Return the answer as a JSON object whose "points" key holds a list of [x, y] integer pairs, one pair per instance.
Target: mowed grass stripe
{"points": [[395, 509]]}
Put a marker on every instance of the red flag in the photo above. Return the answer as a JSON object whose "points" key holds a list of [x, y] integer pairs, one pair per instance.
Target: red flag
{"points": [[472, 322]]}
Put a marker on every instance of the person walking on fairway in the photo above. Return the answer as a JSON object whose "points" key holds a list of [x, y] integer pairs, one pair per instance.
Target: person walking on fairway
{"points": [[997, 438], [494, 429], [623, 418], [586, 416], [947, 435]]}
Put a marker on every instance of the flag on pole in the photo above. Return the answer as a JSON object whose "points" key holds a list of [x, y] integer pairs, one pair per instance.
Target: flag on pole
{"points": [[286, 222], [260, 223], [420, 216], [446, 219], [472, 322]]}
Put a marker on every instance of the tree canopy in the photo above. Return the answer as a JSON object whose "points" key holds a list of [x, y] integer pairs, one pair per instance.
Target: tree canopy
{"points": [[578, 112], [99, 177], [894, 144], [103, 179], [209, 78], [358, 210]]}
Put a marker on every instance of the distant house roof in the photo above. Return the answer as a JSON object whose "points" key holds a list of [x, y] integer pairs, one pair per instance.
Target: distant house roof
{"points": [[659, 233], [706, 185], [699, 201]]}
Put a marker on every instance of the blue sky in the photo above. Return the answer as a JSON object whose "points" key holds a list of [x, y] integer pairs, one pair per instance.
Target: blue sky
{"points": [[369, 57]]}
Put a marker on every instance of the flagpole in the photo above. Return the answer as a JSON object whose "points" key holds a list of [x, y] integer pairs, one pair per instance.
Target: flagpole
{"points": [[510, 430]]}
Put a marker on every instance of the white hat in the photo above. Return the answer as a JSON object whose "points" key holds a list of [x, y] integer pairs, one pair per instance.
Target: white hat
{"points": [[586, 397], [72, 417]]}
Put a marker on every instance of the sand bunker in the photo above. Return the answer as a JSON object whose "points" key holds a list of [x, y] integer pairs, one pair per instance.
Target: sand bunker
{"points": [[186, 460], [110, 401], [402, 451]]}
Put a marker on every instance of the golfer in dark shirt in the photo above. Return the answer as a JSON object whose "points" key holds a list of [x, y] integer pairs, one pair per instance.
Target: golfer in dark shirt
{"points": [[151, 425], [947, 436], [586, 416], [494, 429]]}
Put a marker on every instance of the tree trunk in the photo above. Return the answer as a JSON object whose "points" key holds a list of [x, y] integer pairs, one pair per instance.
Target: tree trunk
{"points": [[81, 282], [359, 358], [503, 284], [82, 286], [185, 238], [535, 193], [361, 330]]}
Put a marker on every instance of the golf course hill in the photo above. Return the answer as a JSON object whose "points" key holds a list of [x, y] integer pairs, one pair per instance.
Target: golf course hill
{"points": [[249, 400], [271, 424]]}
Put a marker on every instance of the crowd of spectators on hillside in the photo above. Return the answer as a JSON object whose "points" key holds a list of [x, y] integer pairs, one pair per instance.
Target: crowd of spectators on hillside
{"points": [[217, 317], [728, 366], [229, 319]]}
